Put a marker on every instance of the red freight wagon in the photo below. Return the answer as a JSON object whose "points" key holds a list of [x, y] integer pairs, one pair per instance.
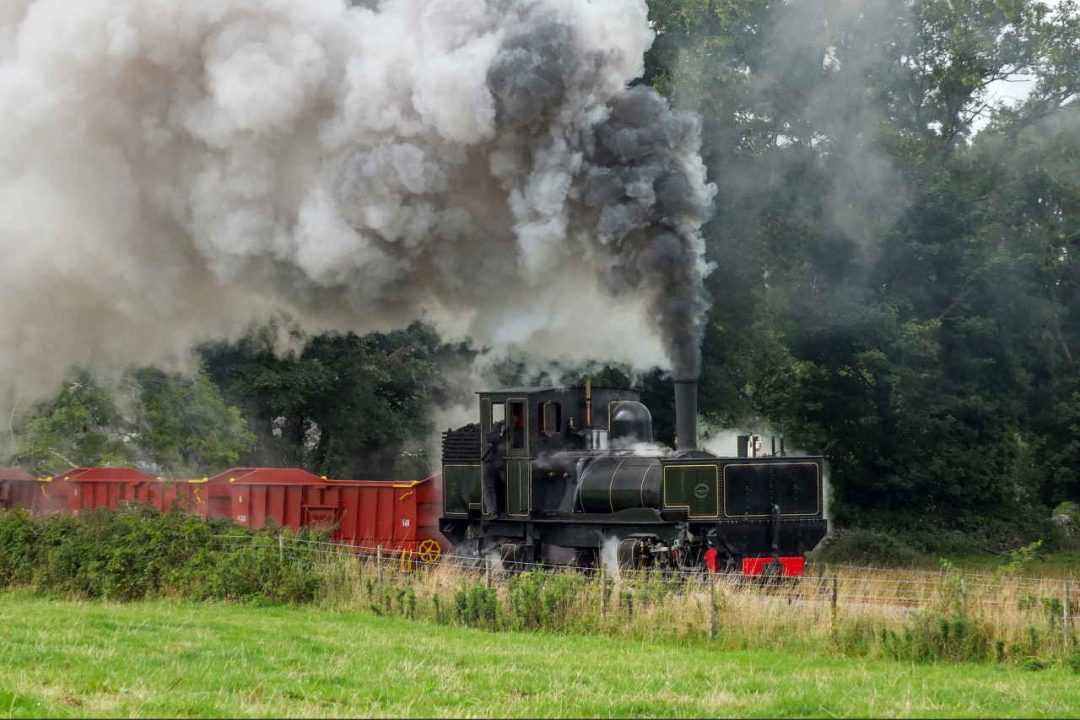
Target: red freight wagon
{"points": [[15, 487], [15, 475], [166, 495], [19, 489], [93, 488], [256, 497], [401, 517]]}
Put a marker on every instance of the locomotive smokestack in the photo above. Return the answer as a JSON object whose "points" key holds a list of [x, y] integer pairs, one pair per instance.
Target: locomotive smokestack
{"points": [[686, 414]]}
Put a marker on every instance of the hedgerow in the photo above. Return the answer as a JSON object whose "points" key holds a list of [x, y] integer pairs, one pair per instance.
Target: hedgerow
{"points": [[136, 553]]}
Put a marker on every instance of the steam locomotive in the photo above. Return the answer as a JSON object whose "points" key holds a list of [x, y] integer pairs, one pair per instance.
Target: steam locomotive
{"points": [[571, 476]]}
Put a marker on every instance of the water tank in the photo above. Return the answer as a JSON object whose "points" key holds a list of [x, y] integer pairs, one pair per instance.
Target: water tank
{"points": [[611, 484]]}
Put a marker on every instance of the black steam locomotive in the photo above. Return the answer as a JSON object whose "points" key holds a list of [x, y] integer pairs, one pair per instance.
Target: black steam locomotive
{"points": [[570, 476]]}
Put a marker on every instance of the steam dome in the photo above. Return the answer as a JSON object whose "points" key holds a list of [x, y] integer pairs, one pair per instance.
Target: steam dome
{"points": [[631, 422]]}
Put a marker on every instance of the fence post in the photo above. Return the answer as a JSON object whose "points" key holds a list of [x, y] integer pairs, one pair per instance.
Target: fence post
{"points": [[281, 548], [487, 572], [1065, 614], [835, 596], [712, 605], [378, 563], [603, 592]]}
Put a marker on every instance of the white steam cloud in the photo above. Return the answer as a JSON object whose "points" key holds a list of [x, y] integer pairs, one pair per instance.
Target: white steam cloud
{"points": [[171, 171]]}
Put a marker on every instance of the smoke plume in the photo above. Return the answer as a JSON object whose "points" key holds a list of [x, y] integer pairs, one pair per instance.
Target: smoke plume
{"points": [[170, 172]]}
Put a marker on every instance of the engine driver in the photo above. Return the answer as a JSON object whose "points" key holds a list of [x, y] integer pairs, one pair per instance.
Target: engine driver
{"points": [[494, 468]]}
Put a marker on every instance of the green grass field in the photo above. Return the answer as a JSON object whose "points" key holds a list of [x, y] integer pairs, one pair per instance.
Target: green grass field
{"points": [[1064, 563], [62, 658]]}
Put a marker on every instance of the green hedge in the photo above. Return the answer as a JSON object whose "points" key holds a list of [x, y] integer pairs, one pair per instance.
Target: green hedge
{"points": [[136, 553]]}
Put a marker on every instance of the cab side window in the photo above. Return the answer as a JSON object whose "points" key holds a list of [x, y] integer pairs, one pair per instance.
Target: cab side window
{"points": [[549, 418], [498, 413], [516, 424]]}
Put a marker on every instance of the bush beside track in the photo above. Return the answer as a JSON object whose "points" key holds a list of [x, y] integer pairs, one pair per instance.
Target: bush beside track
{"points": [[138, 553]]}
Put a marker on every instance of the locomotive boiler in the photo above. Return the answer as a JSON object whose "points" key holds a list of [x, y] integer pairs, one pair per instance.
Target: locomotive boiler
{"points": [[571, 476]]}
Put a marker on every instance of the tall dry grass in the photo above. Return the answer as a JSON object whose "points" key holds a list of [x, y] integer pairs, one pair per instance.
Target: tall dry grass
{"points": [[902, 614]]}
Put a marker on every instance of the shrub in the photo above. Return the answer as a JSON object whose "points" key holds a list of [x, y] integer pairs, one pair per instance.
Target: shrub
{"points": [[869, 547], [935, 636], [544, 600], [18, 533], [476, 606], [944, 630], [1073, 661], [249, 571], [136, 552], [525, 604]]}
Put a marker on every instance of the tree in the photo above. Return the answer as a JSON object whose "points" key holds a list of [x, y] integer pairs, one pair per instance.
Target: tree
{"points": [[341, 404], [174, 425], [892, 289], [182, 426], [79, 427]]}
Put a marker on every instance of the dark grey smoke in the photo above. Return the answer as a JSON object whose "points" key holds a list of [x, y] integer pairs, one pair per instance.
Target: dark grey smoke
{"points": [[640, 182], [528, 76], [480, 163], [647, 188]]}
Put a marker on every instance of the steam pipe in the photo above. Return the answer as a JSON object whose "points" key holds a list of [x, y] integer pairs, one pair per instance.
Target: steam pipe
{"points": [[686, 414], [588, 402]]}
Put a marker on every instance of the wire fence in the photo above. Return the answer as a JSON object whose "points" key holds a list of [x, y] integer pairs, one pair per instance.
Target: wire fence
{"points": [[832, 585], [856, 610]]}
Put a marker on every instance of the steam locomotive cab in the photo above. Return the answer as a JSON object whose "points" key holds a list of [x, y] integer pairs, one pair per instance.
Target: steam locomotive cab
{"points": [[571, 476]]}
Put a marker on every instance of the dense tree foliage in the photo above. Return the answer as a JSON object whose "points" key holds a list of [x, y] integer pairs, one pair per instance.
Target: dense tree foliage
{"points": [[81, 426], [894, 289], [184, 426], [170, 424], [343, 405]]}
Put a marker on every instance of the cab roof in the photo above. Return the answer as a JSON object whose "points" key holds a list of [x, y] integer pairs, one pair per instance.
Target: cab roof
{"points": [[529, 389]]}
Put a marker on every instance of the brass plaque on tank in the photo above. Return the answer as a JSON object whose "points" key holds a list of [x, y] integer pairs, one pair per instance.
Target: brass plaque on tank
{"points": [[693, 487]]}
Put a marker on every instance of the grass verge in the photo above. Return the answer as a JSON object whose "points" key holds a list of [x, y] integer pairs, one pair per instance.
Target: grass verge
{"points": [[160, 658]]}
